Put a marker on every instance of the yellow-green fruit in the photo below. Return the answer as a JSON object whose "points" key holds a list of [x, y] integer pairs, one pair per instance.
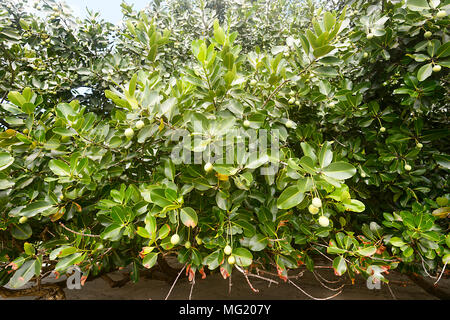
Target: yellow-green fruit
{"points": [[129, 133], [227, 250], [290, 124], [208, 167], [61, 197], [187, 244], [363, 175], [253, 82], [365, 55], [231, 260], [316, 202], [419, 145], [291, 101], [324, 221], [23, 219], [437, 68], [369, 36], [407, 167], [246, 123], [175, 239], [427, 34], [382, 129], [25, 131], [332, 104], [313, 209], [199, 240], [297, 103], [441, 14], [139, 124]]}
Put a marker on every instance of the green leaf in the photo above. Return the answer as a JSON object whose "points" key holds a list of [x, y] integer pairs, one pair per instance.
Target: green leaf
{"points": [[417, 5], [425, 71], [60, 168], [339, 170], [339, 265], [68, 261], [35, 208], [219, 34], [258, 242], [290, 197], [24, 274], [444, 50], [188, 217], [243, 257], [325, 155], [5, 160], [367, 252], [21, 231], [16, 98], [150, 260], [354, 205]]}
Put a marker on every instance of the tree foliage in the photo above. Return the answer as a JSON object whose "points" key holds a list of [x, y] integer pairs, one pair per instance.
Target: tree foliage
{"points": [[356, 94]]}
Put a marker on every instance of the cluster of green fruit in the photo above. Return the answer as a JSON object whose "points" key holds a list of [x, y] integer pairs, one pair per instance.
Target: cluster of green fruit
{"points": [[314, 209], [129, 132]]}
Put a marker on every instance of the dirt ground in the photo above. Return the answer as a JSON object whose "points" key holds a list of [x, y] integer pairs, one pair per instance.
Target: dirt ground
{"points": [[214, 287]]}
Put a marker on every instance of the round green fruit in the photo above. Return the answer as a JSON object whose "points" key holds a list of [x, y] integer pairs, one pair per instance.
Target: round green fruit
{"points": [[407, 167], [365, 55], [253, 82], [324, 221], [291, 101], [175, 239], [246, 123], [369, 36], [290, 124], [437, 68], [419, 145], [129, 133], [427, 34], [140, 124], [313, 209], [231, 260], [23, 220], [227, 250], [441, 14], [382, 129], [316, 202], [199, 240], [208, 167], [187, 244]]}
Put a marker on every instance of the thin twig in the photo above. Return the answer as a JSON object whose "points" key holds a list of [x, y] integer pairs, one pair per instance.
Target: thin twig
{"points": [[327, 298], [192, 288], [392, 293], [325, 286], [248, 280], [79, 233], [327, 281], [176, 279], [442, 272]]}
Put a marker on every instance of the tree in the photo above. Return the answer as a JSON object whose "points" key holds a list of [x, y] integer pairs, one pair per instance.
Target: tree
{"points": [[262, 143]]}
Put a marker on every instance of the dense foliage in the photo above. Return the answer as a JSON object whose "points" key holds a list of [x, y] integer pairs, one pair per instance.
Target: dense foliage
{"points": [[354, 95]]}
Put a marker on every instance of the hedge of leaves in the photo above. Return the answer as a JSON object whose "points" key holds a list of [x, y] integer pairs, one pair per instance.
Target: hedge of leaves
{"points": [[356, 94]]}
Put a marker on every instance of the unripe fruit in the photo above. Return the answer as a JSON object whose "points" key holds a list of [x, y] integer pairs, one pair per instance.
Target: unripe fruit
{"points": [[25, 131], [332, 104], [23, 220], [297, 103], [61, 197], [363, 175], [437, 68], [227, 250], [313, 209], [441, 14], [382, 129], [187, 244], [316, 202], [140, 124], [427, 34], [199, 240], [419, 145], [231, 260], [291, 101], [324, 221], [246, 123], [290, 124], [407, 167], [175, 239], [292, 93], [129, 133], [253, 82], [369, 36], [365, 55], [208, 167]]}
